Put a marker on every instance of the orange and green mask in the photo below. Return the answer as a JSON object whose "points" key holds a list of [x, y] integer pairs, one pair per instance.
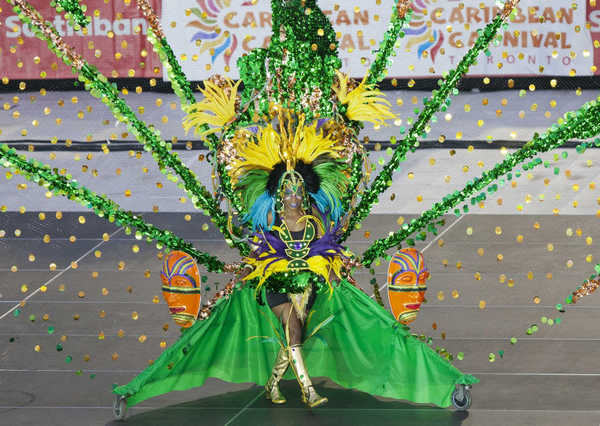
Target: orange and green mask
{"points": [[181, 287], [407, 277]]}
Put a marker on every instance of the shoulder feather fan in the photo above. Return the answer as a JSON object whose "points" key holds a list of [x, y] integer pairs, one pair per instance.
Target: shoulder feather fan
{"points": [[216, 109], [365, 103]]}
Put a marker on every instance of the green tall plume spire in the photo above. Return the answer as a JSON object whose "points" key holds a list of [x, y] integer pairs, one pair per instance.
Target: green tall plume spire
{"points": [[297, 70]]}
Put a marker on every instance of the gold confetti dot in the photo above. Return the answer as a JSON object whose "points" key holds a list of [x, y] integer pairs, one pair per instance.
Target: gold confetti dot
{"points": [[550, 247], [455, 294], [102, 313], [570, 263], [499, 257], [470, 230], [482, 304], [536, 225], [440, 295], [134, 316], [98, 253], [37, 348], [477, 276], [115, 356], [101, 335], [104, 291], [498, 230]]}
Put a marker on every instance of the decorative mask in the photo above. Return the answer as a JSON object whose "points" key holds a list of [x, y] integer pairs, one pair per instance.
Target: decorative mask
{"points": [[291, 182], [406, 280], [181, 287]]}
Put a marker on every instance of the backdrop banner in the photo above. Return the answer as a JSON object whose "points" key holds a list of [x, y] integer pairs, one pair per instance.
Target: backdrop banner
{"points": [[556, 38], [549, 38], [115, 42]]}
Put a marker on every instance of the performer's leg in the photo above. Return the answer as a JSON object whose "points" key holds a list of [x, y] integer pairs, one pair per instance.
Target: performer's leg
{"points": [[309, 395], [293, 326], [294, 329], [291, 323]]}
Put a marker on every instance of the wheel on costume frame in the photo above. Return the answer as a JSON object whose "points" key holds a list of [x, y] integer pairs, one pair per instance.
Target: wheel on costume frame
{"points": [[461, 398], [120, 407]]}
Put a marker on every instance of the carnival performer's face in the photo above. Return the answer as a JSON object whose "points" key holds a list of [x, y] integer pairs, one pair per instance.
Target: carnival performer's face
{"points": [[181, 288], [407, 277], [292, 195]]}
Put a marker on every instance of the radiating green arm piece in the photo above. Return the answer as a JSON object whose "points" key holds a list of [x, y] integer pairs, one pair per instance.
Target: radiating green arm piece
{"points": [[400, 16], [99, 87], [74, 12], [581, 124], [43, 175], [432, 105], [181, 87]]}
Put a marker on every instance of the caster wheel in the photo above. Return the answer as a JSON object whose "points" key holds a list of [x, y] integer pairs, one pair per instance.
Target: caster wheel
{"points": [[119, 407], [461, 398]]}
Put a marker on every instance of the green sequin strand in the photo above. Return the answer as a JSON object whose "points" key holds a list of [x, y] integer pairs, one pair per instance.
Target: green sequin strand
{"points": [[102, 206], [432, 105], [74, 12], [581, 124], [98, 86], [378, 68]]}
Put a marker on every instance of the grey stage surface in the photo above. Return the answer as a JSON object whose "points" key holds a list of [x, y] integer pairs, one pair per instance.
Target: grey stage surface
{"points": [[549, 378]]}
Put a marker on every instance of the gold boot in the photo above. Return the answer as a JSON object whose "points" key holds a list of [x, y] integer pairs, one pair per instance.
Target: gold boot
{"points": [[272, 386], [309, 395]]}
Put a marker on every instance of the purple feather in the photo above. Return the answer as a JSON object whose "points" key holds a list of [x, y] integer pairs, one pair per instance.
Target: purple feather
{"points": [[326, 246]]}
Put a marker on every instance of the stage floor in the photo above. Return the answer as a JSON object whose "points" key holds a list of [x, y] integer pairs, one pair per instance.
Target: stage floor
{"points": [[548, 378]]}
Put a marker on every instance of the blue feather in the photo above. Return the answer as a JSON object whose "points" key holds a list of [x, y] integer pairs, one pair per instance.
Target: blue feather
{"points": [[328, 205], [258, 214]]}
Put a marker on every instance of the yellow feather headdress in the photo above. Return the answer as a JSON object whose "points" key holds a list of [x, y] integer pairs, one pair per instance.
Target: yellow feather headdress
{"points": [[270, 147]]}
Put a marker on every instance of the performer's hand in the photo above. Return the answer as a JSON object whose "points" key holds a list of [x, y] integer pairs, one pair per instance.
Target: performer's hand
{"points": [[244, 272]]}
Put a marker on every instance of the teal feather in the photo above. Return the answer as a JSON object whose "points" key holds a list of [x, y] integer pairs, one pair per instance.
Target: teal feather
{"points": [[252, 186]]}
